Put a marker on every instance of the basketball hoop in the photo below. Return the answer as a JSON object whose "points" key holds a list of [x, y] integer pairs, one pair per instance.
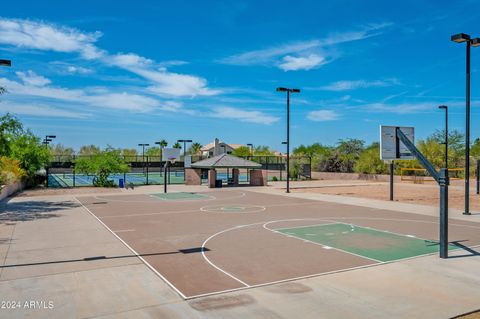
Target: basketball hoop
{"points": [[172, 160]]}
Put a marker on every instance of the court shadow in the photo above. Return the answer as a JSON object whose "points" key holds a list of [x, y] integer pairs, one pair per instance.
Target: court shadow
{"points": [[94, 258], [471, 252], [32, 210]]}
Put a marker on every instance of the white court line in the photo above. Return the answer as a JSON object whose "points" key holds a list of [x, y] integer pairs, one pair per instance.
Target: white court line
{"points": [[211, 208], [123, 230], [211, 197], [319, 244], [215, 266], [134, 252]]}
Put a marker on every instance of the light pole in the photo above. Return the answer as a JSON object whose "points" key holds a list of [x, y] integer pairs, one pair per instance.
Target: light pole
{"points": [[184, 146], [5, 62], [281, 89], [459, 38], [250, 146], [444, 107], [143, 154], [48, 139]]}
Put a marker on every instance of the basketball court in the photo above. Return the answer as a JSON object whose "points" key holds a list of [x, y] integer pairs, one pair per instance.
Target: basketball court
{"points": [[206, 243]]}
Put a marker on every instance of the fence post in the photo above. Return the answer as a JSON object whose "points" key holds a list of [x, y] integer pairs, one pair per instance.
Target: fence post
{"points": [[443, 182], [74, 174], [147, 169]]}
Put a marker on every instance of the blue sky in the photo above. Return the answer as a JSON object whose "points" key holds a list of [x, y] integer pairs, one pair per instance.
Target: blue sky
{"points": [[136, 72]]}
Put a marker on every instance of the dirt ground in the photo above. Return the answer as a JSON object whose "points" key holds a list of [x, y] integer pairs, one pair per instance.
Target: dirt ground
{"points": [[423, 194], [41, 191]]}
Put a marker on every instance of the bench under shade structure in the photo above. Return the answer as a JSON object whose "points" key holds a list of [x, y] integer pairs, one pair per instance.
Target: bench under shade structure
{"points": [[257, 175]]}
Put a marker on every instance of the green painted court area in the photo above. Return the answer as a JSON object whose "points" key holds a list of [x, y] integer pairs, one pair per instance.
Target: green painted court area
{"points": [[382, 246], [179, 196]]}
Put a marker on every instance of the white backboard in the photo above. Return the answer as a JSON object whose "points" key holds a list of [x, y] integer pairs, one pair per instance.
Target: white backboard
{"points": [[388, 143], [170, 153]]}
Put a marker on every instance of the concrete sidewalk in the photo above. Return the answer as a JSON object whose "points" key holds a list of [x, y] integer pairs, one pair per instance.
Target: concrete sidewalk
{"points": [[56, 253]]}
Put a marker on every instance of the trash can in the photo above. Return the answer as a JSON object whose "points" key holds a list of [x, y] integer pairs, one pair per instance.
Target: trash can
{"points": [[218, 183], [121, 183]]}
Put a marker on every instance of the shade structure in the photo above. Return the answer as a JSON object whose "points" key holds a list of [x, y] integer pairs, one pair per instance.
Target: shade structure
{"points": [[226, 161]]}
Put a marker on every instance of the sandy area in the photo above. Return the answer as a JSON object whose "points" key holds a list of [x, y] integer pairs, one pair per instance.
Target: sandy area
{"points": [[423, 194], [66, 191]]}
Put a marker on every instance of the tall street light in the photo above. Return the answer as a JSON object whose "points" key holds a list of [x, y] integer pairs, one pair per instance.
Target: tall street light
{"points": [[184, 145], [444, 107], [282, 89], [48, 139], [460, 38], [250, 146], [143, 154], [5, 62]]}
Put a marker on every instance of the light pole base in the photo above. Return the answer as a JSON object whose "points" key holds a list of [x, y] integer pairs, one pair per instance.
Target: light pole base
{"points": [[467, 213]]}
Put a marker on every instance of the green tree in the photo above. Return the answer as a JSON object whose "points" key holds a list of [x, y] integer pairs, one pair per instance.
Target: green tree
{"points": [[313, 150], [163, 143], [102, 164], [369, 161], [195, 149], [28, 149], [89, 150], [129, 152], [262, 150], [177, 145], [10, 127], [242, 151], [153, 151]]}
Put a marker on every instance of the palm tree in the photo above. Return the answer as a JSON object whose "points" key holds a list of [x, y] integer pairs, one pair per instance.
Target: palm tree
{"points": [[177, 145], [163, 143], [195, 148]]}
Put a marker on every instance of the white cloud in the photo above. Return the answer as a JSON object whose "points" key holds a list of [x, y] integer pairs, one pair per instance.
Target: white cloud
{"points": [[402, 108], [323, 115], [78, 70], [265, 55], [47, 36], [41, 110], [299, 51], [291, 63], [31, 78], [358, 84], [96, 98], [244, 116]]}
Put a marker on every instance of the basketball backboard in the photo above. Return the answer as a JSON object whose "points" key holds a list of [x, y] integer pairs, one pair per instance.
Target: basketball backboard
{"points": [[391, 148], [170, 154]]}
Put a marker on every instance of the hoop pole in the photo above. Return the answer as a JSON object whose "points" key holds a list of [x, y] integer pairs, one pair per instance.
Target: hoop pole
{"points": [[391, 179]]}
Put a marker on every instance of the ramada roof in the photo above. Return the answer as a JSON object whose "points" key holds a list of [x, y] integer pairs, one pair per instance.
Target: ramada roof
{"points": [[226, 161]]}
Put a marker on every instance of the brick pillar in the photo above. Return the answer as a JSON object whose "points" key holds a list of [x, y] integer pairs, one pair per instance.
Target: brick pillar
{"points": [[193, 176], [235, 174], [212, 177], [258, 177]]}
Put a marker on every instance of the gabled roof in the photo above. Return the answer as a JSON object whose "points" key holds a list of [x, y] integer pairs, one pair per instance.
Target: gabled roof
{"points": [[226, 161], [209, 146]]}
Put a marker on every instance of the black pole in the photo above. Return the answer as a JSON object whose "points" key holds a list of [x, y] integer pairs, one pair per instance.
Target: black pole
{"points": [[288, 141], [467, 137], [443, 182], [147, 170], [391, 179], [165, 177], [446, 137]]}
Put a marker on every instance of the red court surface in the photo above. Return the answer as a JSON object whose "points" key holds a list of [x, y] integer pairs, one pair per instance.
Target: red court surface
{"points": [[228, 239]]}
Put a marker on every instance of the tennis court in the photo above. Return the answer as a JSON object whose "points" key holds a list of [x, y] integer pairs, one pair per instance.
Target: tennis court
{"points": [[59, 180], [226, 240]]}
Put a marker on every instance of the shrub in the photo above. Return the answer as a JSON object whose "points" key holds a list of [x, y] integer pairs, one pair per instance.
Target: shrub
{"points": [[10, 170], [102, 165]]}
